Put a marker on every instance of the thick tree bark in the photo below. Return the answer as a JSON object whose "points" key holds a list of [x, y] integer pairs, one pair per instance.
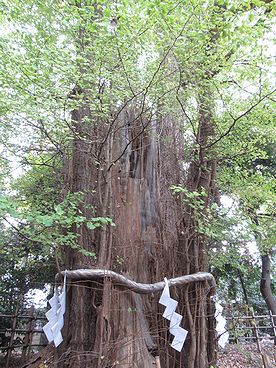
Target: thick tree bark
{"points": [[265, 282], [265, 287], [126, 172], [194, 254]]}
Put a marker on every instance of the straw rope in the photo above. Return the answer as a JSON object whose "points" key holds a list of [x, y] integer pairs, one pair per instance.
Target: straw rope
{"points": [[94, 274]]}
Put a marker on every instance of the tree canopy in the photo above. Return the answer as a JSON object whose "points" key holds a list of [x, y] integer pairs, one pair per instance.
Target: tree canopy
{"points": [[101, 85]]}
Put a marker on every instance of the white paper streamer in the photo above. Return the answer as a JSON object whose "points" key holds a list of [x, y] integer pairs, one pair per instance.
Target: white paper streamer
{"points": [[178, 332], [55, 318], [220, 328]]}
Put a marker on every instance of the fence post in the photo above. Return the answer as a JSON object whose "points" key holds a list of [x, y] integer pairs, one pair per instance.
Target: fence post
{"points": [[31, 330], [273, 318], [29, 335], [14, 320], [232, 324], [256, 333]]}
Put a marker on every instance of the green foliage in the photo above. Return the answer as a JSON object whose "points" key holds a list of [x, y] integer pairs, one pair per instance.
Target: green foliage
{"points": [[24, 264], [34, 241], [194, 199], [254, 185], [158, 58], [55, 228]]}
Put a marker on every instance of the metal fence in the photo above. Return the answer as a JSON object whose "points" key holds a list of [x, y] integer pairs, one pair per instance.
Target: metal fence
{"points": [[24, 335], [251, 327]]}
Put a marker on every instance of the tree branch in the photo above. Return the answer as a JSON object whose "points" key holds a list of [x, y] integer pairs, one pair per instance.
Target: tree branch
{"points": [[238, 118]]}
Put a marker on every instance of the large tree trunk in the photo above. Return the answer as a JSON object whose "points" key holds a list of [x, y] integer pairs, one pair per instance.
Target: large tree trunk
{"points": [[265, 282], [265, 287], [126, 172], [194, 254]]}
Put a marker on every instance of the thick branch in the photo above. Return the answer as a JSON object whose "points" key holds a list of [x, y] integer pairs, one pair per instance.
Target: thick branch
{"points": [[93, 274]]}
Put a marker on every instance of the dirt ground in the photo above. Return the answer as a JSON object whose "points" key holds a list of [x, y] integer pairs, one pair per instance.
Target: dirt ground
{"points": [[247, 356], [233, 356], [43, 359]]}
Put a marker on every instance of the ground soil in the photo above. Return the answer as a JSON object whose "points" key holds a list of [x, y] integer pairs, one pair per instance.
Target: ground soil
{"points": [[247, 356], [233, 356]]}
